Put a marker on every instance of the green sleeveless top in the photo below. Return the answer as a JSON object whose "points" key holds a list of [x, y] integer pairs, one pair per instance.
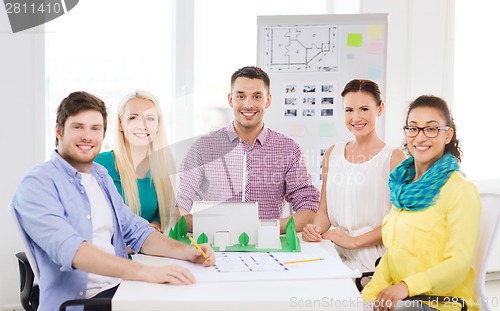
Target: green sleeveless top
{"points": [[147, 192]]}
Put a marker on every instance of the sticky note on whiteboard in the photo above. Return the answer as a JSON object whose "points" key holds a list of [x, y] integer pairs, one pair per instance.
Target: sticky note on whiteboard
{"points": [[375, 47], [374, 73], [298, 130], [375, 32], [327, 129], [354, 39]]}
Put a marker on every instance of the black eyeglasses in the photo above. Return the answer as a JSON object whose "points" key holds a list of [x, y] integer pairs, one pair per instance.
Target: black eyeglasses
{"points": [[429, 131]]}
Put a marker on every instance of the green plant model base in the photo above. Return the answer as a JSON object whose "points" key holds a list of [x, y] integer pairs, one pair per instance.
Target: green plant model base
{"points": [[285, 248], [289, 242]]}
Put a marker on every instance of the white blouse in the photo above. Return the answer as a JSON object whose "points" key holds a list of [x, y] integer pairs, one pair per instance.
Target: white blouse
{"points": [[357, 197]]}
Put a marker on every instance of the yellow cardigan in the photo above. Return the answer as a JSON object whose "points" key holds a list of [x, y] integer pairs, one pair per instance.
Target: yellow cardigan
{"points": [[432, 250]]}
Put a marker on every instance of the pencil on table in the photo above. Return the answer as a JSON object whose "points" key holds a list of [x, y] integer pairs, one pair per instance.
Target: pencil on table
{"points": [[303, 260]]}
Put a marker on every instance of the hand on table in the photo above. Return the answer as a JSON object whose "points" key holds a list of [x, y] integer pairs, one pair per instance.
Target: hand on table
{"points": [[173, 274]]}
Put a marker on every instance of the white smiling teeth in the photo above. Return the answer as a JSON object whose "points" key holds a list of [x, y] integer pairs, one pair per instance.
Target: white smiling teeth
{"points": [[421, 148]]}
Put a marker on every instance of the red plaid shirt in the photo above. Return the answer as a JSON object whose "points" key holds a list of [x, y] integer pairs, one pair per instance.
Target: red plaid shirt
{"points": [[222, 167]]}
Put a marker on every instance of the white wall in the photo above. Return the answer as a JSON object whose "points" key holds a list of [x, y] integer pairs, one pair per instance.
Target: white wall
{"points": [[419, 55], [183, 72], [22, 137]]}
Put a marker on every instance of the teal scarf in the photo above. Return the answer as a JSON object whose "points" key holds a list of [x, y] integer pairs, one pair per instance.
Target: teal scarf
{"points": [[422, 193]]}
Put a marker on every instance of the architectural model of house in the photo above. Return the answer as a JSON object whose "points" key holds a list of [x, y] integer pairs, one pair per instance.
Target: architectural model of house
{"points": [[234, 223]]}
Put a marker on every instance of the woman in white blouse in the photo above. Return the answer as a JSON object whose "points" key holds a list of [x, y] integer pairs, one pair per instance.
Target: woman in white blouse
{"points": [[355, 194]]}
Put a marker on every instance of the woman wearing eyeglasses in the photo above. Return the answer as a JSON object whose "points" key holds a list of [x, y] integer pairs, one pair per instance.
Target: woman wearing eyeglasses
{"points": [[431, 231], [354, 195]]}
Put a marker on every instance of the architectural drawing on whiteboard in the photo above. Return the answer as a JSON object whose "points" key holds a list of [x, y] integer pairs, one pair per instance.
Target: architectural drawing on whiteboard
{"points": [[308, 48]]}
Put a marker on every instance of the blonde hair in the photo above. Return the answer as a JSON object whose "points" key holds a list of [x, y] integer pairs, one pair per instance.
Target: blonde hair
{"points": [[161, 162]]}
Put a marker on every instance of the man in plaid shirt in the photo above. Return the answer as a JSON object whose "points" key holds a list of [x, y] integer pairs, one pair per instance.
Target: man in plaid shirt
{"points": [[247, 161]]}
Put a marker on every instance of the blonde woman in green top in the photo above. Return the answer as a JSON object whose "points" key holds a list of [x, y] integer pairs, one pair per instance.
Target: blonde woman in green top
{"points": [[140, 164]]}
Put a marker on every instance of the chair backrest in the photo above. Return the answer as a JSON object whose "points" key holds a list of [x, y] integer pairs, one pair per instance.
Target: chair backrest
{"points": [[29, 292], [489, 229], [26, 245]]}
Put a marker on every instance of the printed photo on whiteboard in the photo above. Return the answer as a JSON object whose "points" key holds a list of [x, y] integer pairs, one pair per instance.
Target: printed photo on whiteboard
{"points": [[327, 112], [327, 88], [327, 101], [290, 112], [309, 88], [321, 154], [308, 113], [309, 101], [291, 88], [300, 98]]}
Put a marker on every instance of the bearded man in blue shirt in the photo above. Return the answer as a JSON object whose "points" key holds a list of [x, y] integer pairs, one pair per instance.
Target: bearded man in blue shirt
{"points": [[77, 224]]}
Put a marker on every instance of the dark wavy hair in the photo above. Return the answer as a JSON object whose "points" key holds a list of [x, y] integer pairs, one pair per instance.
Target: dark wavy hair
{"points": [[366, 86], [440, 104]]}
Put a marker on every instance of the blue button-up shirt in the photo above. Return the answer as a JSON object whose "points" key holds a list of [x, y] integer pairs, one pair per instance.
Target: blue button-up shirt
{"points": [[54, 211]]}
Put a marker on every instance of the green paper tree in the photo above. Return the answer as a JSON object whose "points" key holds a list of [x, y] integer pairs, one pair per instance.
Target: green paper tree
{"points": [[183, 227], [288, 235], [171, 233], [243, 239], [291, 234], [291, 223], [203, 238], [177, 235], [293, 244]]}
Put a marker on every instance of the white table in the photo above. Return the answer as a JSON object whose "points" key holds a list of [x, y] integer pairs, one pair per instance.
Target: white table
{"points": [[305, 294]]}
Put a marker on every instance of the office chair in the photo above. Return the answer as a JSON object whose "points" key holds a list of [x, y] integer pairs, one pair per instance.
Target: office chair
{"points": [[29, 291], [489, 230], [365, 276], [28, 271], [489, 233]]}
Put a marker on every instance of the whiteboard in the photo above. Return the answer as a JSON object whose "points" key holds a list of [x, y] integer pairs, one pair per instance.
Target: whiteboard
{"points": [[309, 59]]}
